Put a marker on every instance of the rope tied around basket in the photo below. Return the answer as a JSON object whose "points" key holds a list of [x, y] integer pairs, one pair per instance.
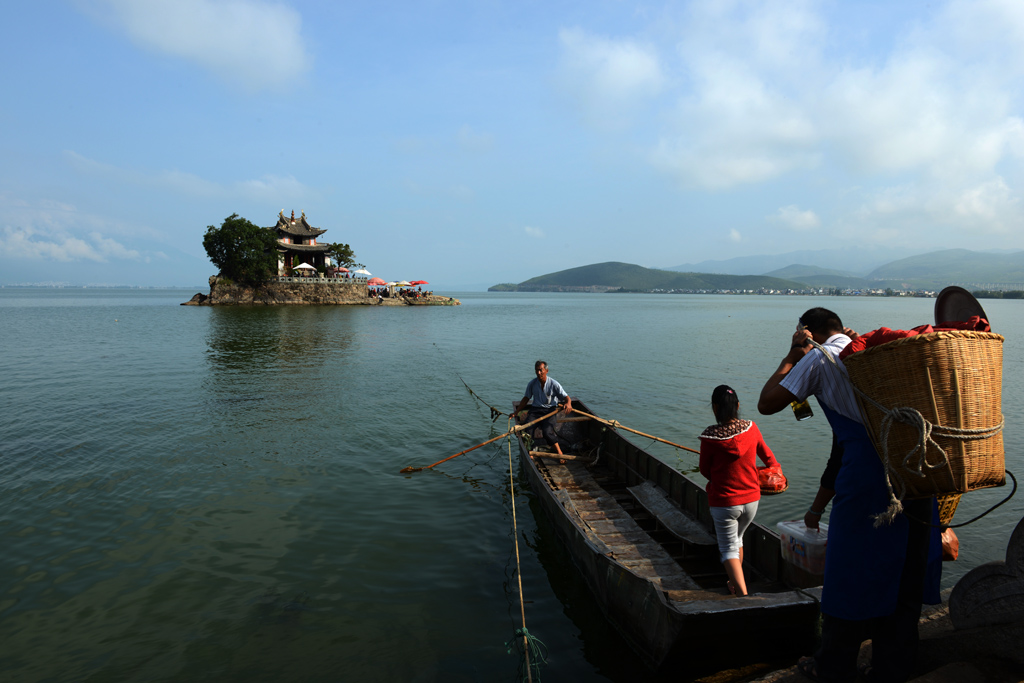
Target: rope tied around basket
{"points": [[913, 418], [925, 431]]}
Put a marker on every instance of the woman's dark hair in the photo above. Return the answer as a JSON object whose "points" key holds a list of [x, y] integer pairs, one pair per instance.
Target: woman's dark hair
{"points": [[725, 403]]}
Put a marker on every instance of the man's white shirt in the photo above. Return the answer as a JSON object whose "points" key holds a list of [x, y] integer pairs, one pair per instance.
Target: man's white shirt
{"points": [[827, 381]]}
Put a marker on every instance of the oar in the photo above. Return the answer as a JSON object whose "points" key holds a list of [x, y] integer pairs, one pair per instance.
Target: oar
{"points": [[616, 425], [517, 428]]}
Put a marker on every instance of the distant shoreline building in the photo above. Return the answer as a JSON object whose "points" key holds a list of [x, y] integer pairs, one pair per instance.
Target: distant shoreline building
{"points": [[296, 244]]}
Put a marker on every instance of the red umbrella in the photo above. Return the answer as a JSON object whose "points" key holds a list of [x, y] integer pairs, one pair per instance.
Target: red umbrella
{"points": [[419, 282], [342, 270], [374, 281]]}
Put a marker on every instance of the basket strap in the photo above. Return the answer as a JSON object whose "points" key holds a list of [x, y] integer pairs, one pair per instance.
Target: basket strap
{"points": [[925, 429]]}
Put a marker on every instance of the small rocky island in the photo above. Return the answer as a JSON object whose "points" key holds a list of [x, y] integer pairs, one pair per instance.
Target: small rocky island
{"points": [[284, 265], [311, 292]]}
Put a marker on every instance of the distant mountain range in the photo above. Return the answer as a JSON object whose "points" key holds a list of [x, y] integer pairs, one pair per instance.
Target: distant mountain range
{"points": [[601, 277], [858, 262], [935, 270]]}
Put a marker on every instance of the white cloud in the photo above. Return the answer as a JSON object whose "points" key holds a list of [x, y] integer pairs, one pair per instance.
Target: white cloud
{"points": [[793, 218], [608, 78], [26, 244], [734, 236], [740, 118], [112, 248], [721, 161], [778, 38], [763, 89], [534, 232], [932, 213], [56, 231], [989, 204], [919, 113], [462, 192], [250, 42], [285, 188], [474, 141], [980, 28]]}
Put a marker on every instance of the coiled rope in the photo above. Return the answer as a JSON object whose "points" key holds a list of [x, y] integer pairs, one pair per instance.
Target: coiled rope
{"points": [[925, 431]]}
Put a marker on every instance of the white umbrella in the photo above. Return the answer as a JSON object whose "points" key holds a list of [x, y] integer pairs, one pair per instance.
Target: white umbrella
{"points": [[403, 283], [363, 271], [305, 265]]}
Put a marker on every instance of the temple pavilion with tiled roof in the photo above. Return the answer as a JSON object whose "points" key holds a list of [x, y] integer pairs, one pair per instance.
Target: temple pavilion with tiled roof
{"points": [[296, 244]]}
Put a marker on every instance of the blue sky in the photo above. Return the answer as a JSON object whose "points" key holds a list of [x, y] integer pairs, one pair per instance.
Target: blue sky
{"points": [[471, 143]]}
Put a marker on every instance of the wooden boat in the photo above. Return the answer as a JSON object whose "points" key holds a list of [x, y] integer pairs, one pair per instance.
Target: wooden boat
{"points": [[640, 532]]}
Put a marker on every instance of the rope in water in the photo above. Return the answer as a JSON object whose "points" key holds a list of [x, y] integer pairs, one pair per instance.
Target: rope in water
{"points": [[495, 413], [925, 429], [531, 644]]}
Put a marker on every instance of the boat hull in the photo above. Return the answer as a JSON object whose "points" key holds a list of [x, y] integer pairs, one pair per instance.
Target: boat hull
{"points": [[664, 615]]}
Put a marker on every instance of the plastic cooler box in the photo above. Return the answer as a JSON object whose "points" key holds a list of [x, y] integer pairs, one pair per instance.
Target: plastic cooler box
{"points": [[803, 547]]}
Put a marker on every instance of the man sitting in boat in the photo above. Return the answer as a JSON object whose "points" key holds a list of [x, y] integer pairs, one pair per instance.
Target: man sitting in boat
{"points": [[546, 394], [875, 577]]}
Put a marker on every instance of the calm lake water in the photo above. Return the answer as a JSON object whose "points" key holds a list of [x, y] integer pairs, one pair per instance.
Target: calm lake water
{"points": [[213, 494]]}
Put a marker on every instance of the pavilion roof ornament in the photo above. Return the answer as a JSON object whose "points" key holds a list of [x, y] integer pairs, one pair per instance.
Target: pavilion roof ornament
{"points": [[292, 233]]}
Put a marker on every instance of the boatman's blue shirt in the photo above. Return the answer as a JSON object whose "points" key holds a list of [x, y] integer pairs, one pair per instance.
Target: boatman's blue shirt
{"points": [[547, 396]]}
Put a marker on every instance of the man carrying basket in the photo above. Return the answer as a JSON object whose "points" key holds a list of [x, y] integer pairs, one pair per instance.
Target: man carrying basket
{"points": [[876, 578]]}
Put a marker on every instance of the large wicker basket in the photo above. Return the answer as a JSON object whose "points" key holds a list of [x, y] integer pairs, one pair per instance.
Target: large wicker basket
{"points": [[954, 380]]}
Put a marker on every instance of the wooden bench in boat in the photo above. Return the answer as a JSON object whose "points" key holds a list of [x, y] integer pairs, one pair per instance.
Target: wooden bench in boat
{"points": [[675, 521], [612, 529]]}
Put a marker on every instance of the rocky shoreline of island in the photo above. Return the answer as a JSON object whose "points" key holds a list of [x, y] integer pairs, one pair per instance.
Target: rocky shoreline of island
{"points": [[224, 292]]}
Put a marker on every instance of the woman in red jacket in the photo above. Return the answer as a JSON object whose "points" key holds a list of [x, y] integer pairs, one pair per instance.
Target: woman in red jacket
{"points": [[727, 451]]}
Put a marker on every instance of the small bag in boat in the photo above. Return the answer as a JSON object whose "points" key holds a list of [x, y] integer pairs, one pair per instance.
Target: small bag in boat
{"points": [[772, 480], [932, 404]]}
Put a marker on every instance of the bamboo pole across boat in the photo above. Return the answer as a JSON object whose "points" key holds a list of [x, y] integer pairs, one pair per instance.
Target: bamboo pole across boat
{"points": [[517, 428], [615, 425], [555, 456]]}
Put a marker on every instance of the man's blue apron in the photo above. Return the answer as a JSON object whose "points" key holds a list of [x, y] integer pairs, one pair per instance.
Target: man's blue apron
{"points": [[863, 563]]}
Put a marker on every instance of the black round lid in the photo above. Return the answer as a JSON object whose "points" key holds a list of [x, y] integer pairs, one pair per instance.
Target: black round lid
{"points": [[957, 304]]}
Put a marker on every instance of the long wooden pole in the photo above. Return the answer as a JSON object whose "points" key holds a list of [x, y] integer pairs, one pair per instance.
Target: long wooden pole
{"points": [[616, 425], [517, 428]]}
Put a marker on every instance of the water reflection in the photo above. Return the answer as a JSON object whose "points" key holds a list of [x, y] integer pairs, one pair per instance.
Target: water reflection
{"points": [[265, 361], [286, 338]]}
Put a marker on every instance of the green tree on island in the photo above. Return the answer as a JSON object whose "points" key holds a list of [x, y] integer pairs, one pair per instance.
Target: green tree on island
{"points": [[243, 251], [343, 255]]}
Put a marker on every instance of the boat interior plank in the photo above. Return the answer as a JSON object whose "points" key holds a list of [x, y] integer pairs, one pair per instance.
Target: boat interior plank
{"points": [[678, 523]]}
